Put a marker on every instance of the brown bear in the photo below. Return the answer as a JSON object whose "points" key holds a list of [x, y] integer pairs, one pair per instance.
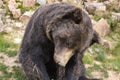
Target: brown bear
{"points": [[54, 43]]}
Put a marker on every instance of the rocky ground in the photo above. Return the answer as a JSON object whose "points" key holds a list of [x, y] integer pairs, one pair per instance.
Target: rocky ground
{"points": [[105, 16]]}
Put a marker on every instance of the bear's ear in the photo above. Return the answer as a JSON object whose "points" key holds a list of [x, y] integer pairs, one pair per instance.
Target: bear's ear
{"points": [[74, 14]]}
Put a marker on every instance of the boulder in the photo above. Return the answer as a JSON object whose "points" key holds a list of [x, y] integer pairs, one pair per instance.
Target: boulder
{"points": [[16, 13], [41, 2], [12, 5], [1, 26], [93, 7], [1, 3], [102, 27], [2, 12], [93, 22], [7, 30], [116, 16], [17, 40], [92, 0], [19, 24], [26, 16], [29, 3], [50, 1]]}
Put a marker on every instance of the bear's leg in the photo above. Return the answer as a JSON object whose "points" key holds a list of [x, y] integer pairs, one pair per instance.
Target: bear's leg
{"points": [[35, 70], [79, 68], [33, 65], [84, 78], [75, 68], [61, 73]]}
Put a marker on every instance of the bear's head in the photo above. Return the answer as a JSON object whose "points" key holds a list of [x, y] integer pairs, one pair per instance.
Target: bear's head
{"points": [[70, 32]]}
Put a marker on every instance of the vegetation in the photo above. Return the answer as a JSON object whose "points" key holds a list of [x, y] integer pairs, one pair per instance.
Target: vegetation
{"points": [[97, 58]]}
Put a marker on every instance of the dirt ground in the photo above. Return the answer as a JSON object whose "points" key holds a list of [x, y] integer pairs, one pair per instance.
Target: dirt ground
{"points": [[13, 61]]}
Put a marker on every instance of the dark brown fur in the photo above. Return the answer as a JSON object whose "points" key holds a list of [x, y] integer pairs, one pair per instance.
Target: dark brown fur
{"points": [[48, 23]]}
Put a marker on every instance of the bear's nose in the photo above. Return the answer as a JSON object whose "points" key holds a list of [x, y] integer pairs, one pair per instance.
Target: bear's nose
{"points": [[63, 57]]}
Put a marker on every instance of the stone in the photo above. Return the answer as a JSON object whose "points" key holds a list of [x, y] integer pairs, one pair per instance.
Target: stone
{"points": [[116, 16], [107, 3], [116, 6], [8, 20], [50, 1], [92, 0], [26, 16], [41, 2], [16, 13], [19, 24], [1, 26], [1, 3], [17, 40], [12, 5], [7, 30], [93, 22], [91, 7], [2, 12], [102, 27], [29, 3]]}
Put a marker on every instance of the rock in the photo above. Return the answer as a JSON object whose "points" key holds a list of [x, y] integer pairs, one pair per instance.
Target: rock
{"points": [[1, 26], [6, 1], [113, 5], [107, 3], [1, 3], [41, 2], [92, 7], [17, 40], [93, 22], [13, 8], [16, 13], [2, 12], [26, 16], [18, 24], [116, 6], [102, 27], [50, 1], [7, 30], [12, 5], [8, 20], [29, 3], [92, 0], [116, 16]]}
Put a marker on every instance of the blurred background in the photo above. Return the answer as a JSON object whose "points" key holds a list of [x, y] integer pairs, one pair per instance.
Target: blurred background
{"points": [[100, 61]]}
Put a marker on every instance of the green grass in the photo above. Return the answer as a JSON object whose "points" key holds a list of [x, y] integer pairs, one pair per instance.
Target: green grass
{"points": [[16, 74], [88, 59], [5, 74], [3, 68], [8, 46], [109, 59]]}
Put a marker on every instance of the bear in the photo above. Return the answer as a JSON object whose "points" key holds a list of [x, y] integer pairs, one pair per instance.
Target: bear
{"points": [[54, 43]]}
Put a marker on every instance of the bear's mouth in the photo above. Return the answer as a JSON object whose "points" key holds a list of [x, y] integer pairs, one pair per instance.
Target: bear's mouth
{"points": [[63, 56]]}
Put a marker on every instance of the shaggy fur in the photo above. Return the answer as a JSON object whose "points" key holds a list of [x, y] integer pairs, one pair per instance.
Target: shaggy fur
{"points": [[51, 27]]}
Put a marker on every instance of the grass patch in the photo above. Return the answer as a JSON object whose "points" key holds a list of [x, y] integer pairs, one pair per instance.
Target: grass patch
{"points": [[3, 68], [113, 63], [100, 57], [88, 59], [89, 72], [18, 74], [5, 74], [116, 50], [8, 47]]}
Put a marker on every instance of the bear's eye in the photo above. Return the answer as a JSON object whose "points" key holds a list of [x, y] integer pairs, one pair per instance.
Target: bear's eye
{"points": [[70, 45]]}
